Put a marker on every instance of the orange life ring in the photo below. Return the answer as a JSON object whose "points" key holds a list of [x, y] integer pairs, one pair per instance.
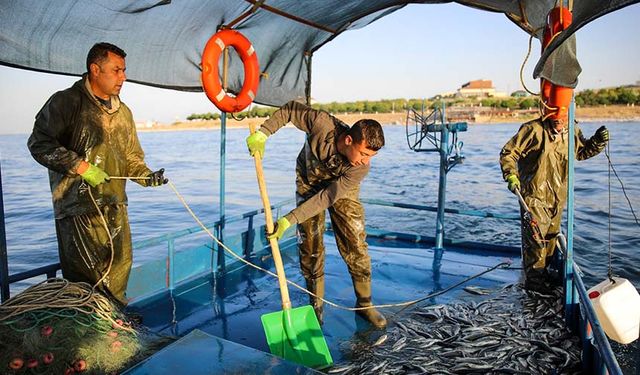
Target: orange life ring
{"points": [[211, 75], [556, 98]]}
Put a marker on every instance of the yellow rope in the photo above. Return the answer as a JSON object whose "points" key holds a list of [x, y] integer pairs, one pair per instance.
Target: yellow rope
{"points": [[57, 293], [542, 104], [525, 62]]}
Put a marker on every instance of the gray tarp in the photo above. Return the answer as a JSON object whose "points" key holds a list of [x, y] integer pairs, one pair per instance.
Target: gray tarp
{"points": [[164, 39]]}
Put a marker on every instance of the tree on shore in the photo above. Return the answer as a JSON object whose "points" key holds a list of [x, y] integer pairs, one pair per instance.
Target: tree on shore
{"points": [[610, 96]]}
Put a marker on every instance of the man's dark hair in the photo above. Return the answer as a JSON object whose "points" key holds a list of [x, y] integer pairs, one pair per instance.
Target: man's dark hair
{"points": [[369, 131], [99, 52]]}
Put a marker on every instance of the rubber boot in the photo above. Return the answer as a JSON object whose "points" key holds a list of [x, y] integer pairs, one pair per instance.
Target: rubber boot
{"points": [[535, 280], [363, 299], [316, 286]]}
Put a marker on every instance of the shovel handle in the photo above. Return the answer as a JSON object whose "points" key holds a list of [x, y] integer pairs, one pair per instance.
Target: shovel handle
{"points": [[522, 202], [275, 249]]}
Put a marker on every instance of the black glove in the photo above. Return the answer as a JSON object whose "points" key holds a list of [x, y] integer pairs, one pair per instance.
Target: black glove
{"points": [[157, 178], [602, 135]]}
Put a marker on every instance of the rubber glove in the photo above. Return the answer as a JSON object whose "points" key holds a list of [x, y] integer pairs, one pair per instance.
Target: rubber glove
{"points": [[92, 174], [256, 142], [602, 135], [157, 178], [513, 183], [281, 225]]}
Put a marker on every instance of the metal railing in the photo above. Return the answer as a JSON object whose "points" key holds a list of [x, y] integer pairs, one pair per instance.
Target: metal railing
{"points": [[50, 270], [597, 355]]}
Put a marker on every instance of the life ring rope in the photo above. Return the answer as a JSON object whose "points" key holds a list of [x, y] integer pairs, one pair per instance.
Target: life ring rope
{"points": [[553, 99]]}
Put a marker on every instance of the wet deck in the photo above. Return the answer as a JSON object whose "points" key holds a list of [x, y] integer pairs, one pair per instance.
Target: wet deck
{"points": [[230, 307]]}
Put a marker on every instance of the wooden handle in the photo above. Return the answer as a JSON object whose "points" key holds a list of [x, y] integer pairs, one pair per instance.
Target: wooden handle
{"points": [[522, 202], [275, 249]]}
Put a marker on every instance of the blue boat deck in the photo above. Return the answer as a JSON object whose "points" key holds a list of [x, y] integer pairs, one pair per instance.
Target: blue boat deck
{"points": [[198, 353], [229, 305]]}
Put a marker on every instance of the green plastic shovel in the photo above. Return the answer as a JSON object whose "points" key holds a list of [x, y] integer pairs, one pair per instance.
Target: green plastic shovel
{"points": [[292, 334]]}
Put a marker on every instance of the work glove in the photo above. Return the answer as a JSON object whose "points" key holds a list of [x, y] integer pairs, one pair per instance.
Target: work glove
{"points": [[513, 183], [281, 225], [602, 135], [94, 175], [256, 142], [157, 178]]}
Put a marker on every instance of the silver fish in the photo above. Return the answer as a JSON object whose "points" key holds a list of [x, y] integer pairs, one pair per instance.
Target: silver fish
{"points": [[380, 340], [477, 290]]}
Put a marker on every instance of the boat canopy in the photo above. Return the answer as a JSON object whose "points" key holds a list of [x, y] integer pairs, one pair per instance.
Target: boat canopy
{"points": [[164, 39]]}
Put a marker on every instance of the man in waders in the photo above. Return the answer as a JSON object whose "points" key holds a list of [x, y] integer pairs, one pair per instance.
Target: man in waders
{"points": [[330, 167], [535, 162], [82, 135]]}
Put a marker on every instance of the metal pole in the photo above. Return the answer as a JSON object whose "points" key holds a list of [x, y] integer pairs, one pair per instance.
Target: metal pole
{"points": [[223, 146], [307, 87], [569, 295], [4, 261], [442, 183]]}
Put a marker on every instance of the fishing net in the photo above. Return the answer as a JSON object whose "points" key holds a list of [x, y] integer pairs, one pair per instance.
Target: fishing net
{"points": [[59, 327]]}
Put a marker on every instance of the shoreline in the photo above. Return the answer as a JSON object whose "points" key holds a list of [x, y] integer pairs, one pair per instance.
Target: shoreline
{"points": [[584, 114]]}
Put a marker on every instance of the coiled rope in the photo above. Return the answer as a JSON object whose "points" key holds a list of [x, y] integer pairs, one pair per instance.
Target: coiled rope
{"points": [[60, 294]]}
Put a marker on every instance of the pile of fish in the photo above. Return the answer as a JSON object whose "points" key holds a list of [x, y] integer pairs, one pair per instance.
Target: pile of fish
{"points": [[515, 332]]}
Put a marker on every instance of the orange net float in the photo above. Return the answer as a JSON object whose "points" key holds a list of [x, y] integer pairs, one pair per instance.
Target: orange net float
{"points": [[211, 74], [556, 99]]}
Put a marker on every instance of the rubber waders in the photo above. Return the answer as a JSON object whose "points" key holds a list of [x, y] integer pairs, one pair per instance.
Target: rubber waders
{"points": [[363, 295]]}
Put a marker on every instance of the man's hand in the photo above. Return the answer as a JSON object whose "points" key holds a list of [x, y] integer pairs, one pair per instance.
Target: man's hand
{"points": [[256, 142], [513, 183], [92, 174], [157, 178], [602, 135], [281, 225]]}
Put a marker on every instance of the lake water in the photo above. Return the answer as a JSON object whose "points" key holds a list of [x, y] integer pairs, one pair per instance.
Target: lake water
{"points": [[191, 161]]}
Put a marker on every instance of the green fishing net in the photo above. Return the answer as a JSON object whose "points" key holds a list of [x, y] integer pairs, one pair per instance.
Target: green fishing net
{"points": [[86, 333]]}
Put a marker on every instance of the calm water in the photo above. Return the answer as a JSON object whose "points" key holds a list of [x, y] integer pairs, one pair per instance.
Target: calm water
{"points": [[398, 174]]}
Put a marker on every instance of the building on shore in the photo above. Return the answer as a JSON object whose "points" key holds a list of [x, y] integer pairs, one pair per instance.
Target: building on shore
{"points": [[480, 88]]}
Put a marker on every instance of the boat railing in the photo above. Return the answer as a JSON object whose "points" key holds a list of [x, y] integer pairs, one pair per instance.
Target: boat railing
{"points": [[477, 213], [50, 270], [597, 355]]}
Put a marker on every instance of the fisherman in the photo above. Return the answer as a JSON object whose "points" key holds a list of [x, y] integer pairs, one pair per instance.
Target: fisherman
{"points": [[535, 162], [82, 135], [330, 167]]}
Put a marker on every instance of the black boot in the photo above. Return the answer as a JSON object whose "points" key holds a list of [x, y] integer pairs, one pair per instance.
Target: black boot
{"points": [[535, 280], [316, 286], [363, 295]]}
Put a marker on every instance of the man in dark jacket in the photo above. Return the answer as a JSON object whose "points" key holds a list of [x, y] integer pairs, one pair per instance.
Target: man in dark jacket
{"points": [[330, 167], [82, 135], [534, 161]]}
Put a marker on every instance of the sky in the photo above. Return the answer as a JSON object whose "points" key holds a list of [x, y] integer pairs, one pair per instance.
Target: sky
{"points": [[416, 52]]}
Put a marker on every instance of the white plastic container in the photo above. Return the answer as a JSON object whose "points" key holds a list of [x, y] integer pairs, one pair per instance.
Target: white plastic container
{"points": [[617, 305]]}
